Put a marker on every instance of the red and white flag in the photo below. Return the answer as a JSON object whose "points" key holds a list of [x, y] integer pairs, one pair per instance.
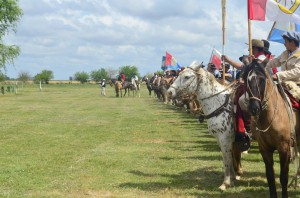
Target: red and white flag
{"points": [[216, 58], [279, 10]]}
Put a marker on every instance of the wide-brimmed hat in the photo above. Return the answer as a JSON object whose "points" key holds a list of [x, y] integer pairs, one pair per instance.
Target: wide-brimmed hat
{"points": [[292, 35], [257, 43], [266, 46]]}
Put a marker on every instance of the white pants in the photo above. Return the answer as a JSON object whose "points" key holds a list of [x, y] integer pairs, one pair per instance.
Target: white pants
{"points": [[103, 91]]}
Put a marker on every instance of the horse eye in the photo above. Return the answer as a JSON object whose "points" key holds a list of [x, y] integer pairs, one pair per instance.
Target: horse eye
{"points": [[186, 77]]}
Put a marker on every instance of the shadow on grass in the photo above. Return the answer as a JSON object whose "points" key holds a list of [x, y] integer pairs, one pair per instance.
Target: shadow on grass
{"points": [[202, 182]]}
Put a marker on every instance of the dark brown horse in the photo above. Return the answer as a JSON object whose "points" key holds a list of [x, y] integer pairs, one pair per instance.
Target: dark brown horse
{"points": [[148, 84], [273, 123]]}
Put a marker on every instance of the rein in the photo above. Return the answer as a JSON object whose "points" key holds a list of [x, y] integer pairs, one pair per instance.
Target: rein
{"points": [[264, 104], [219, 110]]}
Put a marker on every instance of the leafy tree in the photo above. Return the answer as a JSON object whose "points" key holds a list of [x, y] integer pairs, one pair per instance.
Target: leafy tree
{"points": [[3, 77], [81, 76], [44, 76], [10, 15], [98, 75], [129, 71]]}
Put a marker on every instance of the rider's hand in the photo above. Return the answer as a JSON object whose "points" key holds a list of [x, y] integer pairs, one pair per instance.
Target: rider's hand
{"points": [[274, 76]]}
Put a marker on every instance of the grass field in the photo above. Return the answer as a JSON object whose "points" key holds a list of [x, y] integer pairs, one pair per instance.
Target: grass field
{"points": [[68, 141]]}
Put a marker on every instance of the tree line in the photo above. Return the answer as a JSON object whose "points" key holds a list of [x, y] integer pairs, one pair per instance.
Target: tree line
{"points": [[96, 75]]}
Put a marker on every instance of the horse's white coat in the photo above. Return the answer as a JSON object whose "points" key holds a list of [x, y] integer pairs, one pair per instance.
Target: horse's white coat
{"points": [[196, 79]]}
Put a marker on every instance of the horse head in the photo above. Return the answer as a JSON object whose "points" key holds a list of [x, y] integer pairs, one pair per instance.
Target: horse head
{"points": [[186, 82], [255, 78]]}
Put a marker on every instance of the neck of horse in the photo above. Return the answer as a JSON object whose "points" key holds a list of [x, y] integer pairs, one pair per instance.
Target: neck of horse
{"points": [[271, 103], [211, 95]]}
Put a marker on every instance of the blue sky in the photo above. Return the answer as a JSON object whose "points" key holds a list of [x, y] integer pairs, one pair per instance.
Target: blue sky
{"points": [[69, 36]]}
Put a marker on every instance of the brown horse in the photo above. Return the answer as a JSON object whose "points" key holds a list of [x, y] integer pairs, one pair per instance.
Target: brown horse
{"points": [[273, 123], [118, 88]]}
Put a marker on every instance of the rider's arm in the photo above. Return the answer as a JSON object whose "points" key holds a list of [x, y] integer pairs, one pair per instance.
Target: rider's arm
{"points": [[237, 65]]}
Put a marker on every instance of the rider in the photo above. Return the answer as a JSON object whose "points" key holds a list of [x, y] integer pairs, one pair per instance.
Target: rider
{"points": [[268, 54], [213, 70], [242, 119], [289, 60], [228, 73]]}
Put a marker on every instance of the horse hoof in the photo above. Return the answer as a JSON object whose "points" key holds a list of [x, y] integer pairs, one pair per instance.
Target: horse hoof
{"points": [[238, 178], [223, 187]]}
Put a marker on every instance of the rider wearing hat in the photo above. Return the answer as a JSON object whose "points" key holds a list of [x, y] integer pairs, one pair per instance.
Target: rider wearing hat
{"points": [[213, 69], [289, 60], [242, 120], [268, 54]]}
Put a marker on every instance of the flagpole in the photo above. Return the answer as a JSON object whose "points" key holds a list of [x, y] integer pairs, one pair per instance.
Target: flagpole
{"points": [[250, 38], [212, 52], [224, 36], [271, 30]]}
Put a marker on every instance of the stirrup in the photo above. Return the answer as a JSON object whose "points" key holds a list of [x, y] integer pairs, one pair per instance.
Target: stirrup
{"points": [[244, 144]]}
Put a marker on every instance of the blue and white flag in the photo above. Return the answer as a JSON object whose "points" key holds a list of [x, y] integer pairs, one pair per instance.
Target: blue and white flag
{"points": [[279, 28]]}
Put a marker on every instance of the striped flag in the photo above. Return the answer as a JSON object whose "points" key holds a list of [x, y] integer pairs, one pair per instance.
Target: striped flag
{"points": [[279, 10], [171, 62], [279, 28]]}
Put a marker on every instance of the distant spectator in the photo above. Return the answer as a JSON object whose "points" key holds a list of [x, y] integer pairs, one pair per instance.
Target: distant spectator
{"points": [[103, 84]]}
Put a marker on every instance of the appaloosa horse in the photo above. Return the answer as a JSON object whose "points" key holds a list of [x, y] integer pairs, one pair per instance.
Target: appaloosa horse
{"points": [[275, 126], [215, 101]]}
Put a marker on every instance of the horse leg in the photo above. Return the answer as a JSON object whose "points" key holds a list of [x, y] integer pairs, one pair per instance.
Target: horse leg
{"points": [[236, 160], [269, 162], [125, 92], [226, 149], [284, 169]]}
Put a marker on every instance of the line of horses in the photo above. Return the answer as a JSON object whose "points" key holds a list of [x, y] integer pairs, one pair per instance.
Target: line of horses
{"points": [[274, 124]]}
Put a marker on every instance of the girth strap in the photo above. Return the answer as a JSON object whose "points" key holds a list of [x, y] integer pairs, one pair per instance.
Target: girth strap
{"points": [[220, 109]]}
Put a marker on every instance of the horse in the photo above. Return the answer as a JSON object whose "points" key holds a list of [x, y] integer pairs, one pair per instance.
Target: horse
{"points": [[274, 125], [215, 101], [135, 87], [148, 84], [118, 88], [127, 86]]}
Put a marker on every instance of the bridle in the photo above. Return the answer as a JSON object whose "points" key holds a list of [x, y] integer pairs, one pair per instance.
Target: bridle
{"points": [[263, 100], [216, 112]]}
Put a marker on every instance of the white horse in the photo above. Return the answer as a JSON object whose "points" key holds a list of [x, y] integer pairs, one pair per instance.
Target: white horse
{"points": [[136, 86], [215, 101]]}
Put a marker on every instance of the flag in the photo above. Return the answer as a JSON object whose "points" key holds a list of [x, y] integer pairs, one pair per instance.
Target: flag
{"points": [[171, 62], [216, 58], [281, 27], [163, 63], [279, 10]]}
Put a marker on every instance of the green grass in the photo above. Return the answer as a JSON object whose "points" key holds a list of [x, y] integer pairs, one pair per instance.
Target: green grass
{"points": [[68, 141]]}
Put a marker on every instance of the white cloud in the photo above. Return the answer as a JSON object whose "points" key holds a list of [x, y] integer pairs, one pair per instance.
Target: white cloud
{"points": [[67, 36]]}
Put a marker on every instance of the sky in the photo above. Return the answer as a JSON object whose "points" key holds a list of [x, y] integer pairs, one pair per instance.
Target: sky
{"points": [[69, 36]]}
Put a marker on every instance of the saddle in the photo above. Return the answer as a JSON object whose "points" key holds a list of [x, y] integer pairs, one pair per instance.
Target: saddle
{"points": [[293, 92]]}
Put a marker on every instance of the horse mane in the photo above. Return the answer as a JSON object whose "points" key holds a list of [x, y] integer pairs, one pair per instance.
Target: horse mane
{"points": [[254, 66]]}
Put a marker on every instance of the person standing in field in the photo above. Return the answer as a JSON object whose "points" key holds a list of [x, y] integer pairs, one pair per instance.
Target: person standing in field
{"points": [[103, 84]]}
